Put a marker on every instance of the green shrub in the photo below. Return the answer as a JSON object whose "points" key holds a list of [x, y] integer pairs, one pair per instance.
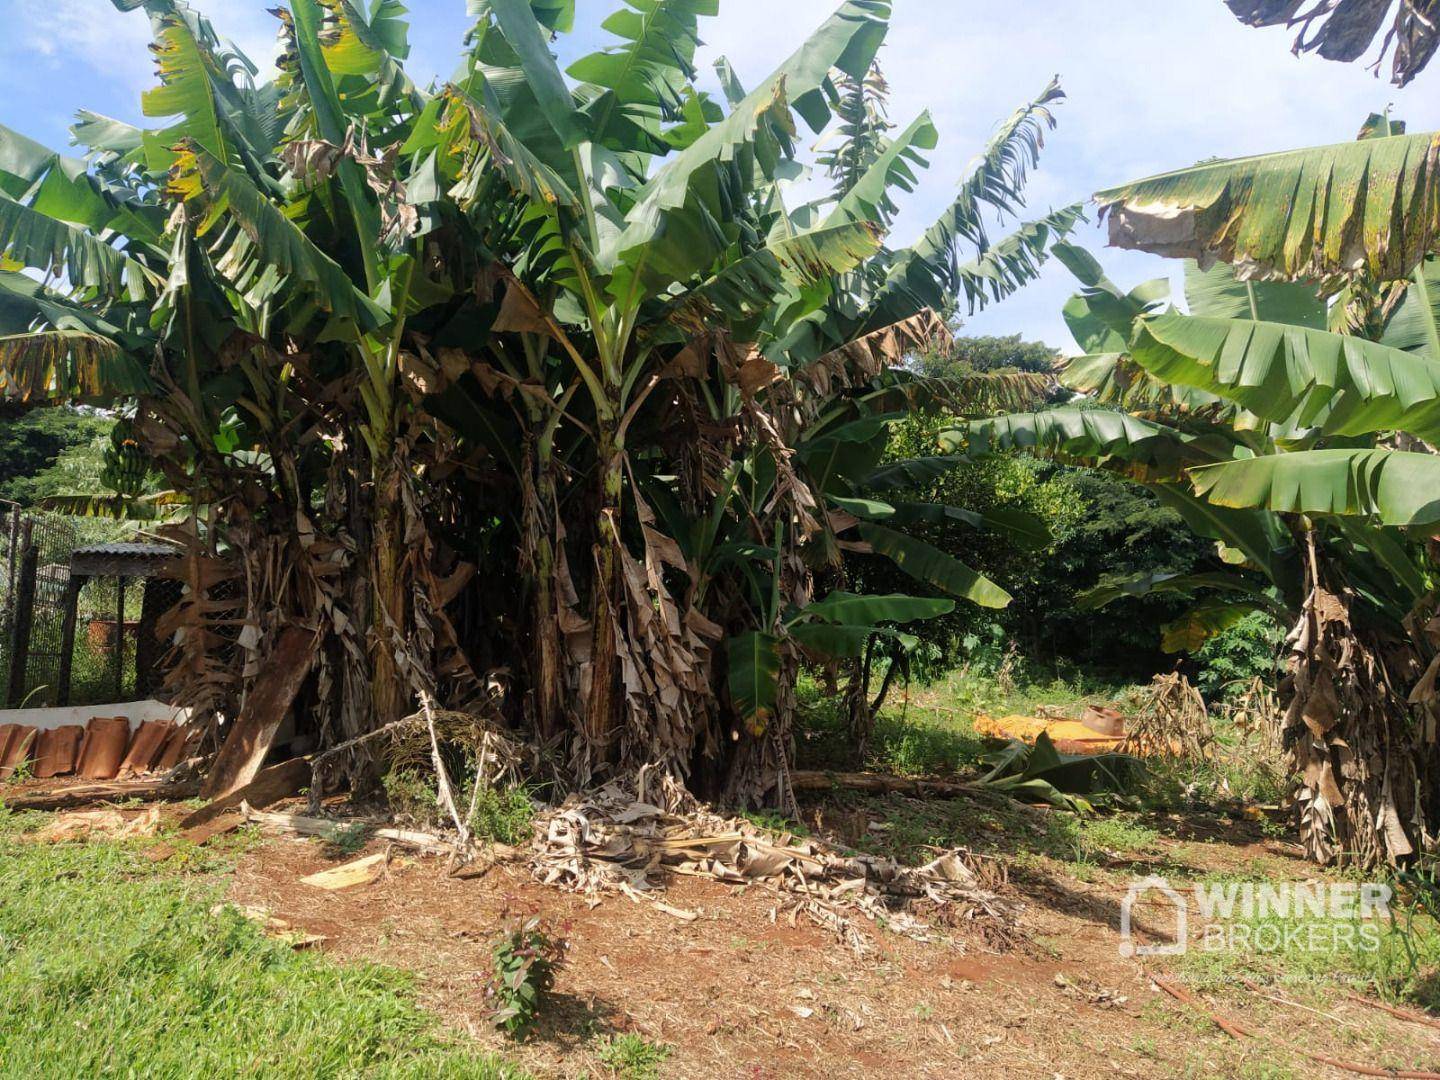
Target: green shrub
{"points": [[505, 815], [347, 839], [1233, 658], [412, 797]]}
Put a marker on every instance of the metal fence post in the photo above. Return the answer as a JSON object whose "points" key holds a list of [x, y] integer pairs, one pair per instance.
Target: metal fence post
{"points": [[67, 639], [24, 611], [120, 638]]}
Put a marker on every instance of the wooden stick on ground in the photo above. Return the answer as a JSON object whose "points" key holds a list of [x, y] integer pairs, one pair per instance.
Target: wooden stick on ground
{"points": [[1403, 1014], [269, 786], [68, 798], [313, 826], [1279, 999], [223, 815], [880, 784]]}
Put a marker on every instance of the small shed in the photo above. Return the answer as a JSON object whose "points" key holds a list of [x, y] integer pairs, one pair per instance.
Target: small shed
{"points": [[157, 567]]}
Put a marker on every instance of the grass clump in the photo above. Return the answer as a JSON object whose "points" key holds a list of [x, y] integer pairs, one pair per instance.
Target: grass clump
{"points": [[504, 815], [1397, 958], [1117, 836], [345, 840], [633, 1058], [113, 965]]}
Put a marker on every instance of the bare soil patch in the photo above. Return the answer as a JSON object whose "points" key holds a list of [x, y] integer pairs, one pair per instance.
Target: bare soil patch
{"points": [[746, 991]]}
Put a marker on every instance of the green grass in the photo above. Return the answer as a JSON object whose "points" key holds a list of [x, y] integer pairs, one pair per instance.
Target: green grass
{"points": [[1398, 962], [931, 731], [111, 965], [632, 1058], [1117, 836]]}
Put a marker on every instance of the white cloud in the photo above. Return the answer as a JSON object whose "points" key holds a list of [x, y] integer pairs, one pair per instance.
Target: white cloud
{"points": [[113, 44], [1153, 85]]}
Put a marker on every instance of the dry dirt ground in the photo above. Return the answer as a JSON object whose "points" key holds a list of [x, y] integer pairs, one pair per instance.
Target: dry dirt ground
{"points": [[744, 991]]}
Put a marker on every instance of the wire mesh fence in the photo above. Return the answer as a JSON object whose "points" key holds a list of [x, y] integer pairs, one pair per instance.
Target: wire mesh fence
{"points": [[37, 575], [115, 653]]}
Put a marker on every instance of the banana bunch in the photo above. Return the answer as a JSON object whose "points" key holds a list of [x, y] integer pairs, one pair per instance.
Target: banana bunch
{"points": [[126, 463]]}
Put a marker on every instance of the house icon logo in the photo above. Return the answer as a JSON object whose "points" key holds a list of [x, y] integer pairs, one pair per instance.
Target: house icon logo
{"points": [[1165, 895]]}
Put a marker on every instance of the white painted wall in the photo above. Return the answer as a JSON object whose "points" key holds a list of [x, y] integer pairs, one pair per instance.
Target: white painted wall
{"points": [[135, 711]]}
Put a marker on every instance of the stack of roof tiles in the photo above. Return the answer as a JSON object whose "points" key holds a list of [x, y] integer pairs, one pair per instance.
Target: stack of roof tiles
{"points": [[103, 749]]}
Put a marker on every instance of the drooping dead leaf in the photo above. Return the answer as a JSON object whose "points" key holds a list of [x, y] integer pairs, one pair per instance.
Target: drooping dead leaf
{"points": [[520, 312], [756, 374]]}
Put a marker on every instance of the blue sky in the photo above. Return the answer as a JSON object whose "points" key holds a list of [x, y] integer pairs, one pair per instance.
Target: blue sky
{"points": [[1153, 85]]}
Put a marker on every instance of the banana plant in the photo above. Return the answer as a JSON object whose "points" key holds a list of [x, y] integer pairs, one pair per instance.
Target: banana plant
{"points": [[1331, 415], [670, 289], [533, 372]]}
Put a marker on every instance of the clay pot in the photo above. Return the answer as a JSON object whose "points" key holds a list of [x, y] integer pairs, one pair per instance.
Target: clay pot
{"points": [[106, 739], [1104, 721], [100, 634], [57, 750]]}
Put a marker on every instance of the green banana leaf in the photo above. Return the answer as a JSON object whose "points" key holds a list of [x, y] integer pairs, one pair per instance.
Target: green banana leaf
{"points": [[1344, 385], [1389, 486]]}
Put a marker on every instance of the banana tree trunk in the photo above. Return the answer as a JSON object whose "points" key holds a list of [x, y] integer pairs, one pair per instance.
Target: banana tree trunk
{"points": [[603, 714], [1365, 750], [540, 536], [857, 705], [388, 692], [604, 707]]}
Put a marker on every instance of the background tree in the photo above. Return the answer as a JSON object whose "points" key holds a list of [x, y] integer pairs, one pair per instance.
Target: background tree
{"points": [[1273, 422], [33, 443], [987, 354]]}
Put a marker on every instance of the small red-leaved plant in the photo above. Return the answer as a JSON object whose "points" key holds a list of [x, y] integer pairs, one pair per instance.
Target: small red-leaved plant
{"points": [[526, 956]]}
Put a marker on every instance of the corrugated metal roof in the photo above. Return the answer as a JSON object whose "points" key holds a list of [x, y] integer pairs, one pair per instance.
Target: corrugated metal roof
{"points": [[130, 551]]}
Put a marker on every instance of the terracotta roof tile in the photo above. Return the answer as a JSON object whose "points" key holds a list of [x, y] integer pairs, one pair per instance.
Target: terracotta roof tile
{"points": [[102, 751], [17, 743], [182, 738], [57, 750], [146, 746]]}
